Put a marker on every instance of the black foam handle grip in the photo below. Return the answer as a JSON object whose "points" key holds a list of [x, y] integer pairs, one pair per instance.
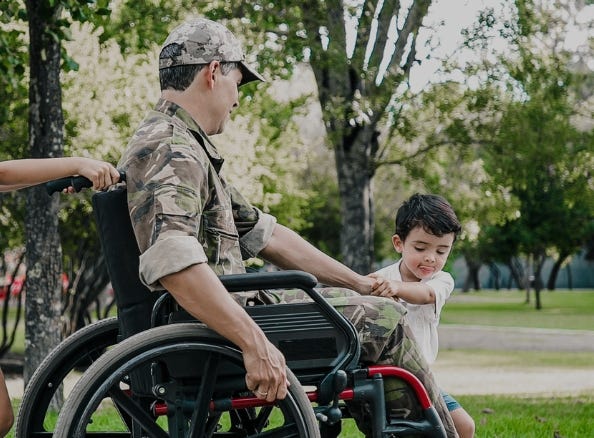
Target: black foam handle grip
{"points": [[77, 182]]}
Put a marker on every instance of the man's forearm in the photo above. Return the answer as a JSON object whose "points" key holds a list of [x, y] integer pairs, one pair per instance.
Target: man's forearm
{"points": [[287, 250], [200, 292]]}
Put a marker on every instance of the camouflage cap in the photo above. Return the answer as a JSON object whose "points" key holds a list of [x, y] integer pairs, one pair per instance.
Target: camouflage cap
{"points": [[203, 41]]}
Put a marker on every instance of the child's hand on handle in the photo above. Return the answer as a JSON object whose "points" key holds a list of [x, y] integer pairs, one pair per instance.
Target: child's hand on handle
{"points": [[101, 174]]}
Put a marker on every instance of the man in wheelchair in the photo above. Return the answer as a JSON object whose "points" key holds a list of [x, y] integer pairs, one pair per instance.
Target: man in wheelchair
{"points": [[192, 226]]}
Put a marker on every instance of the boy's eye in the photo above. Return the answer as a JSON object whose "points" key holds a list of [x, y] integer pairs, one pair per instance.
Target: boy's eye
{"points": [[419, 248]]}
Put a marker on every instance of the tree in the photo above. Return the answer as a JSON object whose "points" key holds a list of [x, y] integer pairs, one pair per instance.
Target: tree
{"points": [[46, 124], [536, 150], [357, 74], [46, 29]]}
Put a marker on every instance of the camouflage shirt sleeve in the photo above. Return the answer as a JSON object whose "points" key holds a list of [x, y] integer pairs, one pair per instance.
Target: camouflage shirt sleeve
{"points": [[167, 186], [253, 226]]}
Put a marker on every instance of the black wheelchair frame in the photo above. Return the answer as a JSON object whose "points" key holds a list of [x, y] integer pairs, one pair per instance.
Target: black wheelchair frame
{"points": [[154, 361]]}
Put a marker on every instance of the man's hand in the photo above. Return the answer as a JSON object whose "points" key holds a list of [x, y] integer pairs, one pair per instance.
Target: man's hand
{"points": [[198, 290], [266, 372]]}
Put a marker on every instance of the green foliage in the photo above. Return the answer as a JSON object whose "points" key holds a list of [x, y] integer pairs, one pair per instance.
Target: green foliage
{"points": [[12, 211], [537, 151], [323, 216]]}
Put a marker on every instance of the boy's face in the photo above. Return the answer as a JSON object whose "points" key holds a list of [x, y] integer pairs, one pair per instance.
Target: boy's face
{"points": [[423, 254]]}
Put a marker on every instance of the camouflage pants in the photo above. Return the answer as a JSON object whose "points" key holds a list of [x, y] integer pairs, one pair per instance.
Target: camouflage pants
{"points": [[385, 339]]}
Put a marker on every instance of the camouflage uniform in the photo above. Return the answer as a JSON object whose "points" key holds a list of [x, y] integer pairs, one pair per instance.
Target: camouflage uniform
{"points": [[183, 213]]}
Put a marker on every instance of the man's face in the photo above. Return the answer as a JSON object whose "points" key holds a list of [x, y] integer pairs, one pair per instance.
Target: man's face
{"points": [[423, 254], [225, 97]]}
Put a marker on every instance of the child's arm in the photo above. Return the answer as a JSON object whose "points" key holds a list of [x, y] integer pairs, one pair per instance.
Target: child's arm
{"points": [[16, 174], [6, 412], [413, 292]]}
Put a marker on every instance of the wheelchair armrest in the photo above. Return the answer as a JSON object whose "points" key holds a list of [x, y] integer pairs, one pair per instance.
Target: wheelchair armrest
{"points": [[268, 280], [306, 282], [344, 329]]}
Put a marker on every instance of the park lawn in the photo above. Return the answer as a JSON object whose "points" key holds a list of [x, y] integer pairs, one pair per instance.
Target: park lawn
{"points": [[531, 417], [499, 416], [561, 309], [522, 417]]}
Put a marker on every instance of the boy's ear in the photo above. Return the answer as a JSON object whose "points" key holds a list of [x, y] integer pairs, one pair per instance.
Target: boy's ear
{"points": [[398, 243]]}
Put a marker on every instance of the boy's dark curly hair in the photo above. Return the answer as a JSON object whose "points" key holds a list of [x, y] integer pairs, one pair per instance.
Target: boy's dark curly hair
{"points": [[432, 212]]}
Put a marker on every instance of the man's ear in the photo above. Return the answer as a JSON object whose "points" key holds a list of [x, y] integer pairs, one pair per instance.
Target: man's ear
{"points": [[212, 70], [398, 243]]}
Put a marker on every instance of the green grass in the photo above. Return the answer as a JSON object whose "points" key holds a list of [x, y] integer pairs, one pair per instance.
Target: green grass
{"points": [[533, 417], [500, 417], [560, 309]]}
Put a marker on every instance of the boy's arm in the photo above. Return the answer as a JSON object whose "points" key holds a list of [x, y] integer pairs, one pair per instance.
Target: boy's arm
{"points": [[16, 174], [413, 292]]}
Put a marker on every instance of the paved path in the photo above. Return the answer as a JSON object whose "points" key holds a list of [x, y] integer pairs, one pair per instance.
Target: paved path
{"points": [[464, 378]]}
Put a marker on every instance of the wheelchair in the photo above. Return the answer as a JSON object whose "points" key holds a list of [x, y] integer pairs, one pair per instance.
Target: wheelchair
{"points": [[160, 373]]}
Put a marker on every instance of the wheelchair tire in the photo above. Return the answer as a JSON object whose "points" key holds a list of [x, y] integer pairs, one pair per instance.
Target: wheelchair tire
{"points": [[76, 352], [200, 352]]}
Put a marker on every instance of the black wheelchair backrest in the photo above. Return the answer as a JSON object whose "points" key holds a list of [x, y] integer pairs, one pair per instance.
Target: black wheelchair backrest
{"points": [[134, 300]]}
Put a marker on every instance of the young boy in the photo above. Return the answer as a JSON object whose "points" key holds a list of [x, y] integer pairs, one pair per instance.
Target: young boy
{"points": [[426, 229], [17, 174]]}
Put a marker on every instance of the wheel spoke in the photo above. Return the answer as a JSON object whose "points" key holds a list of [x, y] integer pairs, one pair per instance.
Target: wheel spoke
{"points": [[201, 411], [130, 407]]}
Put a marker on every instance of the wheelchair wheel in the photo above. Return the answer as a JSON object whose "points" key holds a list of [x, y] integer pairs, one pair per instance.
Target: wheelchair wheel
{"points": [[76, 352], [195, 388]]}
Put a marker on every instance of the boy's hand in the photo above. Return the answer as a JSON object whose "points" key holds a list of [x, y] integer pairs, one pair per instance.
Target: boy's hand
{"points": [[384, 287]]}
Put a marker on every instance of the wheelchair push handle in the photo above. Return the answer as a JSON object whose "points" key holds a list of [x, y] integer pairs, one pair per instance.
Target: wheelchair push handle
{"points": [[77, 182]]}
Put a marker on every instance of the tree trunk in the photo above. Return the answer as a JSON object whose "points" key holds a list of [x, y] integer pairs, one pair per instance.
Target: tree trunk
{"points": [[555, 271], [539, 260], [87, 283], [516, 273], [569, 278], [472, 277], [495, 276], [43, 250], [353, 104], [355, 185]]}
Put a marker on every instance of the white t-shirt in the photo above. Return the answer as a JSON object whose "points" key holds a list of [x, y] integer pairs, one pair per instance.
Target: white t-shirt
{"points": [[423, 319]]}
